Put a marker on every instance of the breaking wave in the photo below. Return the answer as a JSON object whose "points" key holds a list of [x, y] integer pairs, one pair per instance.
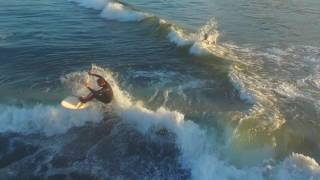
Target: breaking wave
{"points": [[198, 41], [113, 10], [198, 152], [116, 11], [49, 120]]}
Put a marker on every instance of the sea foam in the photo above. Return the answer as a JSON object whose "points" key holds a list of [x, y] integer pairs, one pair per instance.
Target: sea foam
{"points": [[298, 166], [116, 11], [49, 120], [113, 10]]}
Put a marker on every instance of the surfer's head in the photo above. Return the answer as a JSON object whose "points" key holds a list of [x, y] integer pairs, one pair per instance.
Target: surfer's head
{"points": [[101, 82]]}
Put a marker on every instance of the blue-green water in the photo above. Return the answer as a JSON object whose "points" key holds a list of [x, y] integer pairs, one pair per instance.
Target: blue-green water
{"points": [[203, 89]]}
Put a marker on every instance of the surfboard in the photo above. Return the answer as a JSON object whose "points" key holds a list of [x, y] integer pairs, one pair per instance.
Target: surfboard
{"points": [[73, 102]]}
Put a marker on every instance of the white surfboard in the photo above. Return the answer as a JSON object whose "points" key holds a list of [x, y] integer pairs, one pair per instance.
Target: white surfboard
{"points": [[73, 102]]}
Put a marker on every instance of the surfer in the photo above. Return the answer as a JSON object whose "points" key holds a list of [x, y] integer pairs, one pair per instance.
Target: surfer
{"points": [[104, 94], [205, 37]]}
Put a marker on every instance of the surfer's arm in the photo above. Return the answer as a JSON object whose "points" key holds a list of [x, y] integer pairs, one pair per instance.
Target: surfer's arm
{"points": [[96, 75], [91, 90], [89, 97]]}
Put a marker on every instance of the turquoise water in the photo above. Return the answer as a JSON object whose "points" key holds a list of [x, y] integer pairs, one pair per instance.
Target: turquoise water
{"points": [[203, 89]]}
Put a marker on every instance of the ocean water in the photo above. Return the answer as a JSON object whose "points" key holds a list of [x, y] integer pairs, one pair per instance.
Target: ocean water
{"points": [[203, 89]]}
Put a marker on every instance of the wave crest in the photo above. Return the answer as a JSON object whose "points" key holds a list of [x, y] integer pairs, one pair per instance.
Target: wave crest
{"points": [[116, 11], [49, 120]]}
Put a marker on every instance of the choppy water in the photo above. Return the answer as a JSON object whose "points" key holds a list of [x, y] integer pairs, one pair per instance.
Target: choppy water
{"points": [[203, 89]]}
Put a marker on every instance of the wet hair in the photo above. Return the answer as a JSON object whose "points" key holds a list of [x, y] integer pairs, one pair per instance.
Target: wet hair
{"points": [[101, 82]]}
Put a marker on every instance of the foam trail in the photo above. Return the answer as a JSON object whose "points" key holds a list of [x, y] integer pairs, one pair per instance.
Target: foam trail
{"points": [[239, 86], [49, 120]]}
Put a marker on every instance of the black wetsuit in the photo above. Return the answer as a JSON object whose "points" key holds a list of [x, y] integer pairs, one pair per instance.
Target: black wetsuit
{"points": [[104, 94]]}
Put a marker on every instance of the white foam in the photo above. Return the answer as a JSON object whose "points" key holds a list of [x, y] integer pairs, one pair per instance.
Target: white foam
{"points": [[288, 90], [195, 147], [113, 10], [45, 119], [298, 166], [178, 37], [198, 49], [116, 11], [239, 86], [163, 21]]}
